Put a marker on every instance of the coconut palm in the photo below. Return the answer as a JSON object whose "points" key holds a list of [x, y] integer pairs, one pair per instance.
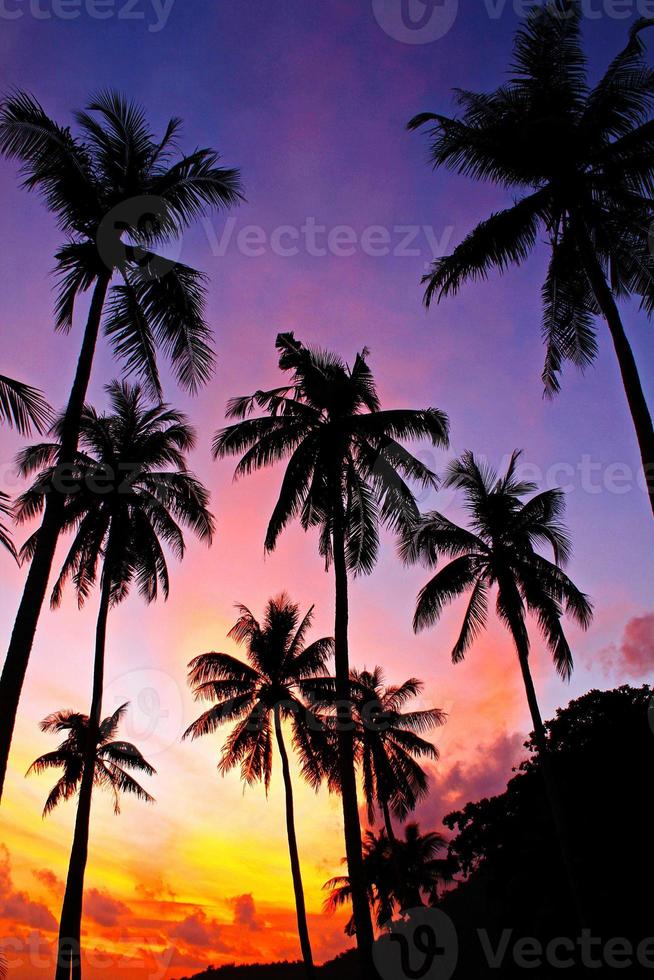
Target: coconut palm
{"points": [[346, 474], [23, 408], [411, 881], [260, 696], [133, 493], [388, 741], [499, 551], [579, 163], [111, 178], [92, 753]]}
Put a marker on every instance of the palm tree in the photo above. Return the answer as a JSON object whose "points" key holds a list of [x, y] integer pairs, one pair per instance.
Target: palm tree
{"points": [[114, 178], [24, 408], [500, 550], [580, 161], [260, 695], [133, 491], [408, 883], [87, 747], [345, 476], [388, 741]]}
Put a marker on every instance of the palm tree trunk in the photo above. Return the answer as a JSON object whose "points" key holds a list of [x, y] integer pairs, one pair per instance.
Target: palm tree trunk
{"points": [[638, 407], [347, 775], [302, 926], [551, 788], [22, 637], [388, 824], [69, 962], [397, 870]]}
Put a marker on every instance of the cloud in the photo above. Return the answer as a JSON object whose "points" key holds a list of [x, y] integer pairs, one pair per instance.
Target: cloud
{"points": [[200, 932], [49, 879], [17, 906], [633, 658], [486, 774], [155, 889], [245, 912], [103, 909]]}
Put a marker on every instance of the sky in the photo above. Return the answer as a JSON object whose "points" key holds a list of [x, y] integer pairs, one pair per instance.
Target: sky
{"points": [[343, 214]]}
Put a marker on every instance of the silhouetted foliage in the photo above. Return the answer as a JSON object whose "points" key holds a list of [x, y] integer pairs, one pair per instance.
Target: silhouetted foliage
{"points": [[259, 696], [388, 740], [403, 873], [580, 160], [348, 473], [602, 750], [112, 758]]}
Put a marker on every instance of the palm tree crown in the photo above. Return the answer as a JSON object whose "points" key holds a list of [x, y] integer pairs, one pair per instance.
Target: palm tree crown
{"points": [[499, 550], [580, 156], [388, 740], [132, 486], [343, 450], [271, 683], [112, 758], [116, 168], [400, 875]]}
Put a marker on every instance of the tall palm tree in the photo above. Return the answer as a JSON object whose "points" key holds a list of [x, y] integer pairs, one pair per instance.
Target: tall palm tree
{"points": [[499, 550], [388, 741], [346, 475], [88, 747], [113, 178], [23, 408], [133, 491], [260, 695], [579, 162], [411, 881]]}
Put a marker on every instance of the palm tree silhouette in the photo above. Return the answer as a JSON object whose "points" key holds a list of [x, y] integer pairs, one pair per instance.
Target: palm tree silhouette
{"points": [[23, 408], [259, 696], [388, 741], [499, 550], [133, 491], [114, 178], [411, 881], [582, 159], [345, 476], [88, 753]]}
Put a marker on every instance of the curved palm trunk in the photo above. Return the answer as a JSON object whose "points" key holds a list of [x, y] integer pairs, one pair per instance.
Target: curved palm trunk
{"points": [[302, 927], [69, 963], [638, 407], [22, 637], [352, 827], [551, 789]]}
